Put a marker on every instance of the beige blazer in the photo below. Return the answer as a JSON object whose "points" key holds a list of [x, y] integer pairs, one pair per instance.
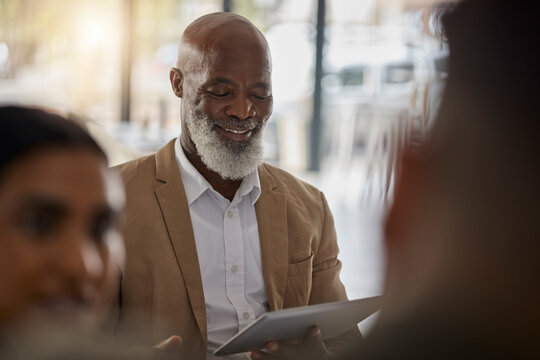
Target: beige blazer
{"points": [[161, 287]]}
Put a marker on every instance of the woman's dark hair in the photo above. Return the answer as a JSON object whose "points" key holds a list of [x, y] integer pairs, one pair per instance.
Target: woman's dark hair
{"points": [[24, 130]]}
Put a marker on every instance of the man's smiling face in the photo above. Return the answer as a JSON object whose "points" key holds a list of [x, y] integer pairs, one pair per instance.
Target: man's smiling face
{"points": [[227, 100]]}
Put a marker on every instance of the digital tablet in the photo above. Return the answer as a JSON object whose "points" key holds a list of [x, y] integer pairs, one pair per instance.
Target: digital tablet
{"points": [[333, 319]]}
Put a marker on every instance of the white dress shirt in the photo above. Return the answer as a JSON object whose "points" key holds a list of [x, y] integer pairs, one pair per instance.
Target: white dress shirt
{"points": [[227, 240]]}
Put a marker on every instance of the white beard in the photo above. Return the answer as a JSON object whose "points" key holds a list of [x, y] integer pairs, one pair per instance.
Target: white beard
{"points": [[232, 160]]}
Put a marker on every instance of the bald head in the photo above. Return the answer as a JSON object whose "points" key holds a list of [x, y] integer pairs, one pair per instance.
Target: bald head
{"points": [[214, 32]]}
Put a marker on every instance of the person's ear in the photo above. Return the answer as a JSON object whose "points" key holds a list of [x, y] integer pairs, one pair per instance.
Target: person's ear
{"points": [[177, 81]]}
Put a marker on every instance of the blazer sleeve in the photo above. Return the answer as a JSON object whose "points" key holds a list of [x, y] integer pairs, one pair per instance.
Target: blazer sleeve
{"points": [[326, 285]]}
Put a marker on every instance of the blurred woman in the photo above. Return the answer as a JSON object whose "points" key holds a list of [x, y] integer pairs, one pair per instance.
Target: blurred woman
{"points": [[60, 246]]}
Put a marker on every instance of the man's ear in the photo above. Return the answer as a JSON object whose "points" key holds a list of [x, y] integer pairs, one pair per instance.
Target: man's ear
{"points": [[177, 81]]}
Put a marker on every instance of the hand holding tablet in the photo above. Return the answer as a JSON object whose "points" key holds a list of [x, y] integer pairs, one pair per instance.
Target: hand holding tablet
{"points": [[333, 319]]}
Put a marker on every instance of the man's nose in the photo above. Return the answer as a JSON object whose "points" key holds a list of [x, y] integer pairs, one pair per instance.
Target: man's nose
{"points": [[240, 107]]}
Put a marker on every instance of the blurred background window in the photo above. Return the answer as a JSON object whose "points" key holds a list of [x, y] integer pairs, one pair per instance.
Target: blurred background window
{"points": [[344, 106], [61, 54]]}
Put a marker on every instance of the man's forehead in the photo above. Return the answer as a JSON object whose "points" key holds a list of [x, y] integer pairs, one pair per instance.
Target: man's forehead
{"points": [[227, 64]]}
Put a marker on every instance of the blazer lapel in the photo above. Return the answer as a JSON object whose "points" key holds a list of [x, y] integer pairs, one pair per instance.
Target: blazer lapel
{"points": [[174, 207], [271, 209]]}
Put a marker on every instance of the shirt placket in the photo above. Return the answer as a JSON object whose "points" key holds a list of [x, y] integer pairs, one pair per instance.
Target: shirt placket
{"points": [[234, 265]]}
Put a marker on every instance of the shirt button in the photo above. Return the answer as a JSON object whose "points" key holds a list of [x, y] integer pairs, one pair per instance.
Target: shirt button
{"points": [[234, 268], [229, 214], [246, 315]]}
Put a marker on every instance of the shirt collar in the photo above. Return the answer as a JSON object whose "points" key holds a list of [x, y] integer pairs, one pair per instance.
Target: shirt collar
{"points": [[251, 185], [195, 184]]}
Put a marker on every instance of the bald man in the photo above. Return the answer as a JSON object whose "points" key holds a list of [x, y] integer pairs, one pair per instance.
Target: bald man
{"points": [[215, 237]]}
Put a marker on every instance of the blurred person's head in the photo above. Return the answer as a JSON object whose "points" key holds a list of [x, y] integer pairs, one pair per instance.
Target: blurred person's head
{"points": [[60, 249], [463, 234], [223, 76]]}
